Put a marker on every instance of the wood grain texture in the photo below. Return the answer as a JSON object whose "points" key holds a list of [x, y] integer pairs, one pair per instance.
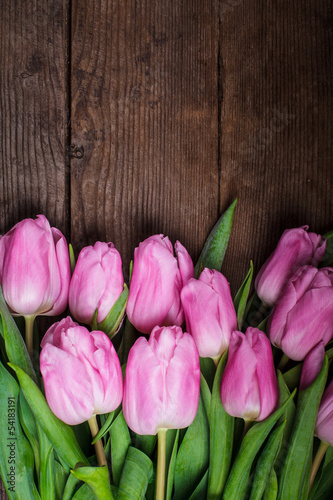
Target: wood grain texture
{"points": [[145, 115], [276, 153], [33, 124]]}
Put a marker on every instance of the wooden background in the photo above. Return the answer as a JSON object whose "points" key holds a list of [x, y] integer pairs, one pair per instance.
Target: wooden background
{"points": [[125, 118]]}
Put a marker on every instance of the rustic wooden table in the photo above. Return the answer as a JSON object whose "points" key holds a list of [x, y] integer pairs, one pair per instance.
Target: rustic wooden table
{"points": [[120, 119]]}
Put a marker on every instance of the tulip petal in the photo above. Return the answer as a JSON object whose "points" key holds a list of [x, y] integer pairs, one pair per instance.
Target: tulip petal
{"points": [[312, 365], [68, 387], [185, 263]]}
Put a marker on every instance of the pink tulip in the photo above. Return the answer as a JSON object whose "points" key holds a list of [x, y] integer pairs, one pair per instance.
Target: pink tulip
{"points": [[97, 282], [34, 268], [162, 382], [295, 249], [312, 365], [81, 372], [324, 424], [249, 387], [157, 279], [303, 315], [209, 312]]}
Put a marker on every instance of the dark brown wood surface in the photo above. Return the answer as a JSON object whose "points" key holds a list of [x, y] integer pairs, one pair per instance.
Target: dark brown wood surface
{"points": [[120, 119]]}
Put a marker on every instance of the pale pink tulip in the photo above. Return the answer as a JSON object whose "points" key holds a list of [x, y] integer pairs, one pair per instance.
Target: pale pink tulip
{"points": [[296, 248], [34, 268], [81, 372], [209, 312], [303, 315], [97, 282], [162, 382], [249, 387], [324, 424], [157, 279]]}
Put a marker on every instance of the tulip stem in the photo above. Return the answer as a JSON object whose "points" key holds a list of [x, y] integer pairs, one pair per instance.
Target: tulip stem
{"points": [[283, 361], [160, 474], [29, 334], [317, 461], [247, 426], [101, 459]]}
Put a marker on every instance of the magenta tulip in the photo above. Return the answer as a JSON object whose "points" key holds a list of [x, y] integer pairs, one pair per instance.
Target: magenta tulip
{"points": [[209, 312], [162, 382], [157, 279], [81, 372], [303, 315], [324, 424], [34, 268], [295, 249], [312, 365], [97, 282], [249, 387]]}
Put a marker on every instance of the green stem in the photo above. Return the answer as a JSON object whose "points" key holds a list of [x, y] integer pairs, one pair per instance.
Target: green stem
{"points": [[160, 474], [101, 459], [216, 360], [29, 334], [317, 461], [283, 361], [247, 426]]}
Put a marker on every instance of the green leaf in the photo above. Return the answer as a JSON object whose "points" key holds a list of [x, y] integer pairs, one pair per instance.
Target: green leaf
{"points": [[328, 256], [60, 434], [120, 442], [221, 438], [295, 475], [84, 493], [16, 456], [240, 472], [97, 479], [216, 244], [129, 337], [171, 460], [193, 456], [110, 324], [287, 416], [242, 296], [15, 346], [207, 368], [271, 487], [201, 490], [28, 423], [47, 468], [146, 444], [324, 488], [137, 471], [105, 427], [293, 376], [71, 257], [266, 462], [60, 478]]}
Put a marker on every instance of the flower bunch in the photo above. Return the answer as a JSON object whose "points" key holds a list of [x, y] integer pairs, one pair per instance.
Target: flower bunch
{"points": [[168, 388]]}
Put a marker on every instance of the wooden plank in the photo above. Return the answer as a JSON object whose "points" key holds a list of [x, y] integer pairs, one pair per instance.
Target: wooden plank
{"points": [[33, 124], [144, 122], [276, 123]]}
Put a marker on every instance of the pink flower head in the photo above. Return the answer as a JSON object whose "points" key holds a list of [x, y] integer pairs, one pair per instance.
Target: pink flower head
{"points": [[157, 279], [97, 282], [81, 372], [162, 382], [209, 312], [34, 268], [296, 248], [249, 387], [324, 424]]}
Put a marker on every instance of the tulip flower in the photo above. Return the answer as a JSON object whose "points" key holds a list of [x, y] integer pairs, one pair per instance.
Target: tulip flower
{"points": [[97, 282], [303, 316], [295, 249], [312, 365], [249, 387], [162, 381], [81, 372], [209, 312], [324, 423], [157, 279], [34, 271]]}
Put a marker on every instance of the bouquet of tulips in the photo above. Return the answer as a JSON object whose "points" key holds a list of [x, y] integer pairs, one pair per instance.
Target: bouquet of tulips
{"points": [[167, 388]]}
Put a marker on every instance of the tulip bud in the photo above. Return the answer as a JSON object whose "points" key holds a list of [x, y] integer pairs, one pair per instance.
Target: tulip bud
{"points": [[249, 387], [157, 279], [97, 282], [34, 268], [81, 372], [312, 365], [303, 315], [162, 382], [324, 424], [295, 249], [209, 312]]}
